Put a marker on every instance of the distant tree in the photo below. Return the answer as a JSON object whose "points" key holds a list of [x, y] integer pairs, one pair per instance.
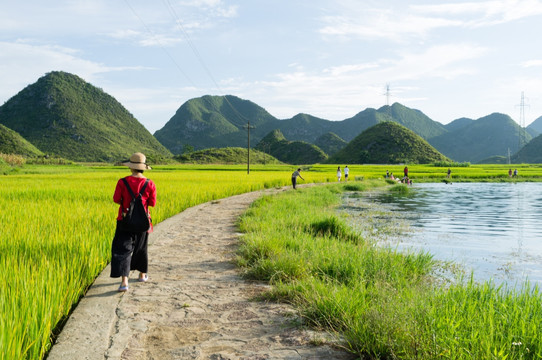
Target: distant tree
{"points": [[187, 149]]}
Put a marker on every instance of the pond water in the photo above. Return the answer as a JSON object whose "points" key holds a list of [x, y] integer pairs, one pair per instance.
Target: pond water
{"points": [[491, 229]]}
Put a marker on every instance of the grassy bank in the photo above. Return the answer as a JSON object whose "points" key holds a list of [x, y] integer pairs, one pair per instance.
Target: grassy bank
{"points": [[384, 304]]}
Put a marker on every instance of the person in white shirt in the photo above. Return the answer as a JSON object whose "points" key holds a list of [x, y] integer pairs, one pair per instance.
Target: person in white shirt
{"points": [[295, 174], [339, 173]]}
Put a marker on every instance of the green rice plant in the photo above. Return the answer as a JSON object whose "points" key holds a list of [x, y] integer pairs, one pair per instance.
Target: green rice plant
{"points": [[432, 173], [57, 228]]}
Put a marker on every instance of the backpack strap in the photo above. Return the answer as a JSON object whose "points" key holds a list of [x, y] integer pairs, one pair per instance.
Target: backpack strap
{"points": [[144, 187], [130, 189]]}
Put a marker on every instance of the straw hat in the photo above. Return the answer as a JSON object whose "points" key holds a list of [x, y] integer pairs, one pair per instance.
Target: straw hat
{"points": [[137, 161]]}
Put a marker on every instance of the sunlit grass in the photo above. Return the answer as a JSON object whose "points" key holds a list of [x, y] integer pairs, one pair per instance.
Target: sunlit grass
{"points": [[382, 303], [57, 225], [424, 173]]}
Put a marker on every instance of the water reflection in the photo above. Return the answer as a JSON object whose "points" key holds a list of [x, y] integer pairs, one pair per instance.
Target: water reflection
{"points": [[490, 228]]}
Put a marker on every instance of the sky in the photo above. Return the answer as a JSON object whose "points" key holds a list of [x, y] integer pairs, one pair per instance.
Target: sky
{"points": [[329, 59]]}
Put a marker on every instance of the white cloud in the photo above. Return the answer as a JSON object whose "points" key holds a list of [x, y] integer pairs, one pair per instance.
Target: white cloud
{"points": [[341, 91], [215, 7], [486, 13], [531, 63], [383, 24], [397, 23], [22, 63]]}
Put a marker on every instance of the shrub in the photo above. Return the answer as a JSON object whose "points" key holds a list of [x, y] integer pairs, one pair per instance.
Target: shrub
{"points": [[451, 164], [12, 159]]}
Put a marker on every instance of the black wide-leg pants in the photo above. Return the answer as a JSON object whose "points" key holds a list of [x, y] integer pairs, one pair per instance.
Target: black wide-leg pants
{"points": [[129, 252]]}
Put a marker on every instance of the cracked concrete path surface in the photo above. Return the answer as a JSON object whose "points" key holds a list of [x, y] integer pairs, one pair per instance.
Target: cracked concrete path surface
{"points": [[194, 306]]}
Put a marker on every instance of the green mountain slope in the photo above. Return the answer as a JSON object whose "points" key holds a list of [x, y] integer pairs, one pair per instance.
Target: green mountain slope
{"points": [[458, 124], [291, 152], [13, 143], [536, 125], [229, 155], [330, 143], [65, 116], [219, 121], [530, 153], [414, 120], [483, 138], [387, 143], [215, 121]]}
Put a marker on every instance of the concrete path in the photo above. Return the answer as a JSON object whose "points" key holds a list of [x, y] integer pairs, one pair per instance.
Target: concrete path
{"points": [[194, 306]]}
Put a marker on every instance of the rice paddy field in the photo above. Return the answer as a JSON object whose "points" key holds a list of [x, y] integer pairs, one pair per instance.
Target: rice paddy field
{"points": [[57, 223], [430, 173]]}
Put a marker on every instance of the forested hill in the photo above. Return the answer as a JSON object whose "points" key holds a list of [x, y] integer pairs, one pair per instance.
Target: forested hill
{"points": [[387, 143], [476, 140], [215, 121], [220, 121], [63, 115], [13, 143]]}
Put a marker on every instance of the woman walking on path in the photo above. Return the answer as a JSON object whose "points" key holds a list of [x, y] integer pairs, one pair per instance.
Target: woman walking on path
{"points": [[339, 173], [129, 249]]}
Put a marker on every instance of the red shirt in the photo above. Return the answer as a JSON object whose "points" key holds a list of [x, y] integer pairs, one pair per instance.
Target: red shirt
{"points": [[121, 193]]}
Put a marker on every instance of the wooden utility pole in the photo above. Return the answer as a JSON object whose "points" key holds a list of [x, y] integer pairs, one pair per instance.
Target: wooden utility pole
{"points": [[248, 145]]}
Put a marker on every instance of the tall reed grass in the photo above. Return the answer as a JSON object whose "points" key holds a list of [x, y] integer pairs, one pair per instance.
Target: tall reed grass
{"points": [[56, 230], [383, 304]]}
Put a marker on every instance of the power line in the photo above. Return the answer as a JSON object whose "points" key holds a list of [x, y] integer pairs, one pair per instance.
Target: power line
{"points": [[194, 49], [189, 41], [192, 46], [160, 43]]}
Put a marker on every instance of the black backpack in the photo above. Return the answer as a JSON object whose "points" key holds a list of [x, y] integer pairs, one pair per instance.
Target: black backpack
{"points": [[135, 219]]}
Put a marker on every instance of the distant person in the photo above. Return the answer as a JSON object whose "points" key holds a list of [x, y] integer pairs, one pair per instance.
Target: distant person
{"points": [[515, 172], [405, 170], [509, 172], [346, 171], [339, 173], [391, 177], [449, 173], [129, 249], [387, 174], [295, 174]]}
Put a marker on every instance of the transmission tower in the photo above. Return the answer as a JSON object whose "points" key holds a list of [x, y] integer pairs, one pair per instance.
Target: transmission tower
{"points": [[388, 94], [522, 137]]}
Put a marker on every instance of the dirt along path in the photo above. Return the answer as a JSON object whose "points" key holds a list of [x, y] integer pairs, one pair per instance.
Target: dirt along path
{"points": [[194, 306]]}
